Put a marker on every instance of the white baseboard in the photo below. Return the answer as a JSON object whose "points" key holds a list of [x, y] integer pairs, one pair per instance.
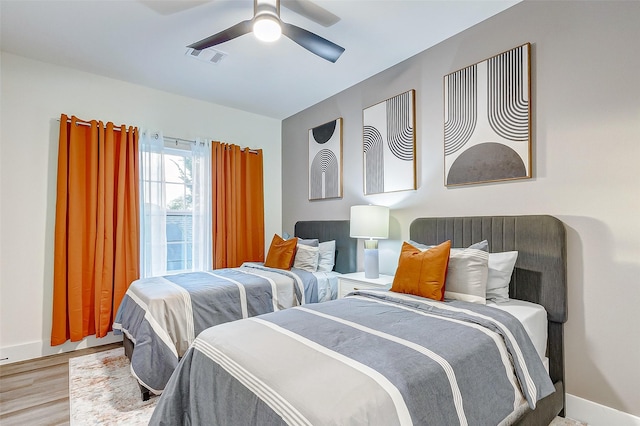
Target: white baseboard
{"points": [[595, 414], [32, 350]]}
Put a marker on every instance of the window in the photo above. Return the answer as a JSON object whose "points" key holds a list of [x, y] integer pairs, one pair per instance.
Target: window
{"points": [[175, 205], [179, 219]]}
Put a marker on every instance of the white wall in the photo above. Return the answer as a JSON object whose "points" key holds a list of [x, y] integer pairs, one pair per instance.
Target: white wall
{"points": [[34, 94], [586, 149]]}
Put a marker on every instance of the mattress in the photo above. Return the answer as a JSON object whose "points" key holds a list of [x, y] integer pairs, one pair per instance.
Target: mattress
{"points": [[534, 319]]}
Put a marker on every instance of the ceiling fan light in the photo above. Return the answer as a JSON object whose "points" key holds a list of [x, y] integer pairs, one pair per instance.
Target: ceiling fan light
{"points": [[267, 28]]}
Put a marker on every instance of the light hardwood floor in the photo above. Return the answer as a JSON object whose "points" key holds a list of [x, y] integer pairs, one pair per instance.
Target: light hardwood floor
{"points": [[36, 392]]}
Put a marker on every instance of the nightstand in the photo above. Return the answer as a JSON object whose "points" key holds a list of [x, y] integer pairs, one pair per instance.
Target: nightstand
{"points": [[356, 281]]}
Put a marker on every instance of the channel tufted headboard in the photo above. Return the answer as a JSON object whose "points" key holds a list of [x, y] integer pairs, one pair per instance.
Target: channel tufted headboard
{"points": [[327, 230], [540, 274]]}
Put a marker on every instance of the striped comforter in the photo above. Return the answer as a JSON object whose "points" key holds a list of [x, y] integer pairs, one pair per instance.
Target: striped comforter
{"points": [[373, 358], [162, 315]]}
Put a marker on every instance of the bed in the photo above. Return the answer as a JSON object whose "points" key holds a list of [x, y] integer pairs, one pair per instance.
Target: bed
{"points": [[379, 357], [160, 316], [540, 276]]}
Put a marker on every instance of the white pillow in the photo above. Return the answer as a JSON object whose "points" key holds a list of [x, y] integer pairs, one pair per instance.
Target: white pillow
{"points": [[306, 258], [327, 256], [467, 275], [500, 269]]}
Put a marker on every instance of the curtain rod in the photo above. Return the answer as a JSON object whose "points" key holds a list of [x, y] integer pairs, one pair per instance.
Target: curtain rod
{"points": [[87, 123], [177, 140], [83, 123], [180, 140]]}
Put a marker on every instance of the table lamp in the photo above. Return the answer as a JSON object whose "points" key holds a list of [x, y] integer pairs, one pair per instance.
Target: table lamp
{"points": [[370, 223]]}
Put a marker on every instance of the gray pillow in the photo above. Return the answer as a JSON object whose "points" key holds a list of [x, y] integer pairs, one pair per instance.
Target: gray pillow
{"points": [[313, 242], [480, 245]]}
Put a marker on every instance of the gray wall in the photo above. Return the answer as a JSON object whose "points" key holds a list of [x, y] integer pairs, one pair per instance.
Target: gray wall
{"points": [[586, 145]]}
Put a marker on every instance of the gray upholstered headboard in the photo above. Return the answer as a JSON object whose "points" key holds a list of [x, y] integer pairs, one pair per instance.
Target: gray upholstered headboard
{"points": [[540, 274], [327, 230]]}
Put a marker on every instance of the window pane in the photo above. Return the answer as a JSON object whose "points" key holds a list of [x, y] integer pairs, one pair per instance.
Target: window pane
{"points": [[174, 168], [175, 257], [189, 260], [175, 229], [176, 197], [154, 170]]}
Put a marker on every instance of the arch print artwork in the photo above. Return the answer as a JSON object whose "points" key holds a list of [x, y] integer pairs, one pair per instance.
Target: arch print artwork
{"points": [[389, 145], [487, 120], [325, 161]]}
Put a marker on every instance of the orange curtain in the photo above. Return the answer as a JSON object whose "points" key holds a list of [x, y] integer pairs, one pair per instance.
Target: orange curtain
{"points": [[97, 226], [238, 205]]}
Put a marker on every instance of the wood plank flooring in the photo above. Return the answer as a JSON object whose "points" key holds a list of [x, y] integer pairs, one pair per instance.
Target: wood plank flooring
{"points": [[36, 392]]}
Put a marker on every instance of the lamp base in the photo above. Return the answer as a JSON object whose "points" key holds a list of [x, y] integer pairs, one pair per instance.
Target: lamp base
{"points": [[371, 264]]}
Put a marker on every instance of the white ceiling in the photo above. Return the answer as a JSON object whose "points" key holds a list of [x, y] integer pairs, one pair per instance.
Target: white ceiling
{"points": [[144, 43]]}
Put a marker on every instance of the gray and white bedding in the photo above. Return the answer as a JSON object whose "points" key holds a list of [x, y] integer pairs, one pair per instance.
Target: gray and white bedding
{"points": [[162, 315], [374, 358]]}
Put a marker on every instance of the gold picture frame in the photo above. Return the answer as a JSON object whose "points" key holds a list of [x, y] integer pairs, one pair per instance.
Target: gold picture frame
{"points": [[487, 120], [389, 144], [325, 160]]}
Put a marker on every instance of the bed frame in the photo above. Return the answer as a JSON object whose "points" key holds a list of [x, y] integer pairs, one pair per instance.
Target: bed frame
{"points": [[323, 230], [540, 276]]}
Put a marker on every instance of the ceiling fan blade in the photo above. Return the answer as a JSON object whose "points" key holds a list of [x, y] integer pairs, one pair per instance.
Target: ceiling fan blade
{"points": [[311, 11], [313, 42], [230, 33]]}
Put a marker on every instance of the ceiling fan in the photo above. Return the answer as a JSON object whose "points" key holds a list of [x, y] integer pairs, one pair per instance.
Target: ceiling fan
{"points": [[267, 26]]}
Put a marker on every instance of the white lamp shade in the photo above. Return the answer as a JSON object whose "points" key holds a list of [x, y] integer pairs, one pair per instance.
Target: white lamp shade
{"points": [[369, 222]]}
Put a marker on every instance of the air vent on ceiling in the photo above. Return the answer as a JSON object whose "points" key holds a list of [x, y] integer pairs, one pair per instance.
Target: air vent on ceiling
{"points": [[207, 55]]}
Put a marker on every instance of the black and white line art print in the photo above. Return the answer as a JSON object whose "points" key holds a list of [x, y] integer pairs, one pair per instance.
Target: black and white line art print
{"points": [[487, 120], [389, 145], [325, 161]]}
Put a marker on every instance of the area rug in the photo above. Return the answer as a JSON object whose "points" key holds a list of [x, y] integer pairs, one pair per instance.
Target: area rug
{"points": [[102, 391]]}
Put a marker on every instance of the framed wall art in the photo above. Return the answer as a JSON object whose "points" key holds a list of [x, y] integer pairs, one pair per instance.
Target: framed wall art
{"points": [[487, 120], [389, 145], [325, 161]]}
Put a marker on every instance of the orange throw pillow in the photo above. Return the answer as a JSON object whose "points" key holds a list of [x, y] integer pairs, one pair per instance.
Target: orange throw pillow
{"points": [[422, 273], [281, 253]]}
